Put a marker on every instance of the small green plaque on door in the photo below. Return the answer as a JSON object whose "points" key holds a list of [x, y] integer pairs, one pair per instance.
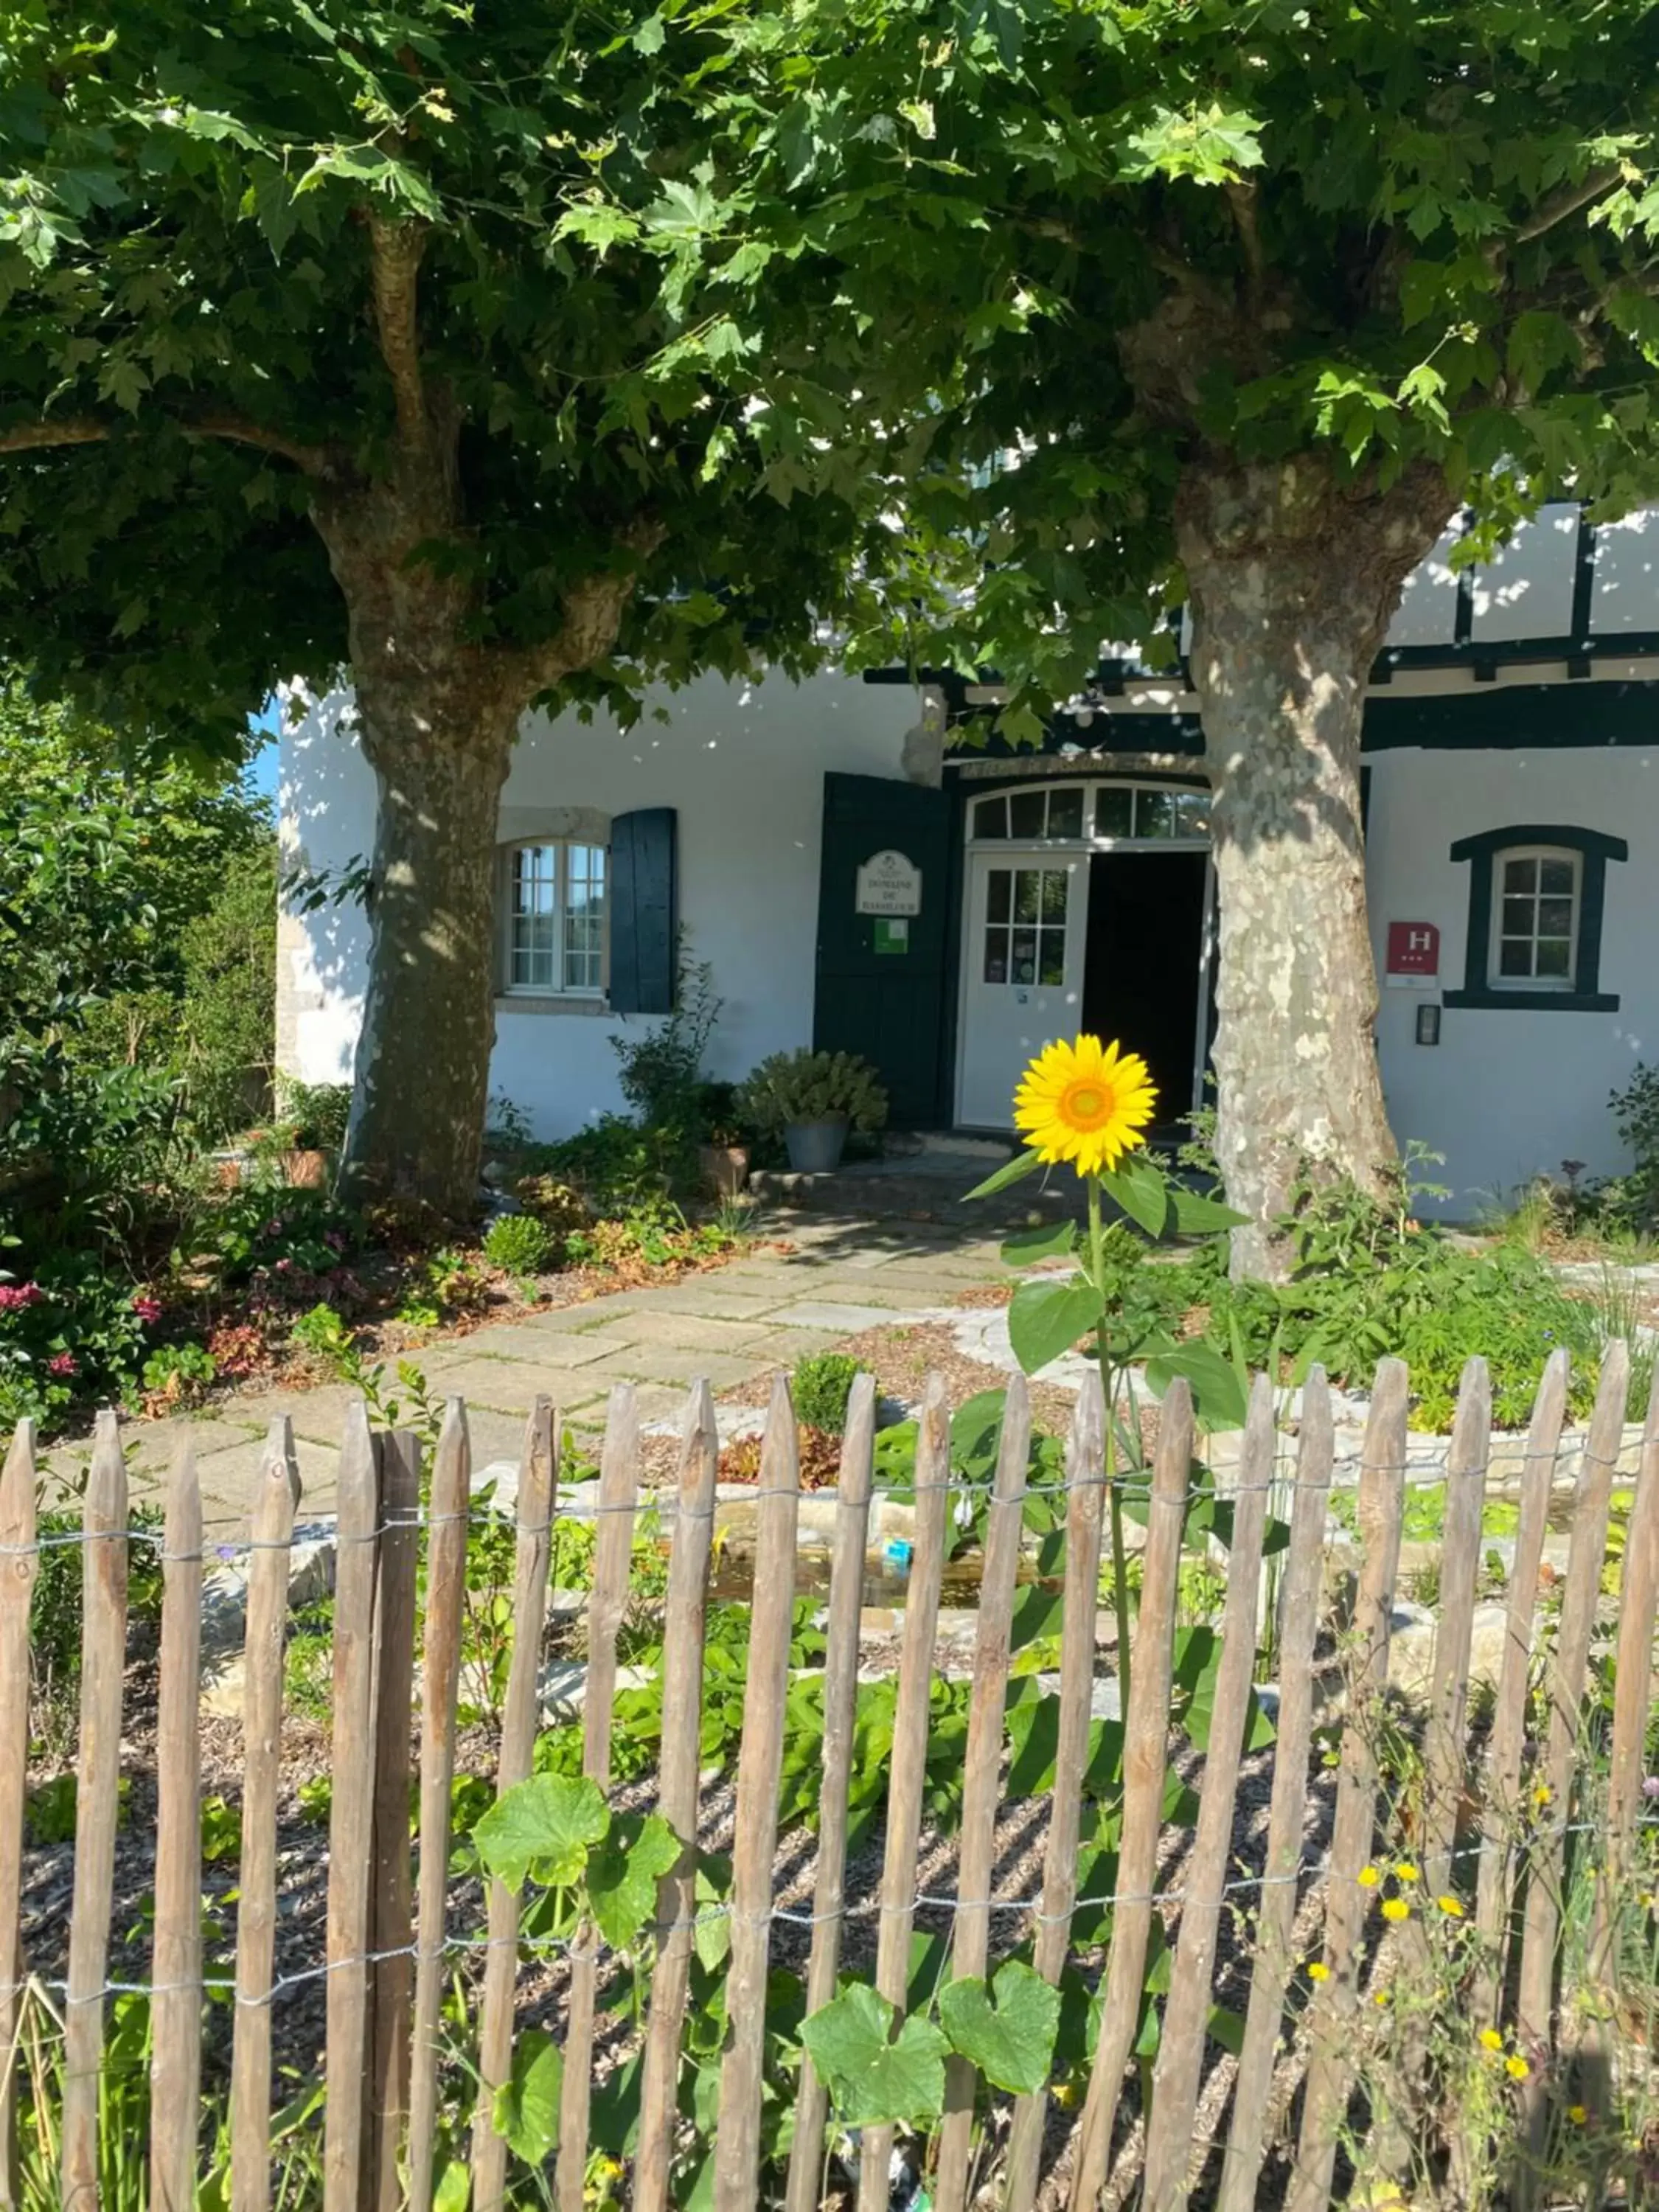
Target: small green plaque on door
{"points": [[892, 936]]}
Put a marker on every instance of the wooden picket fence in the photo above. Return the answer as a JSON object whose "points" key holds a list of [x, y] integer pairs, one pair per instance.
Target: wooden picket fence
{"points": [[389, 1940]]}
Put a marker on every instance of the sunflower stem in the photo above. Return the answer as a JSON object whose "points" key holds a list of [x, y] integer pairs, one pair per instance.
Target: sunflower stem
{"points": [[1114, 1495]]}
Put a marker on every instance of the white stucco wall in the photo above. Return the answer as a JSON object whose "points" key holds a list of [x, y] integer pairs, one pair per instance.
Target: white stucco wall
{"points": [[744, 766], [1508, 1095]]}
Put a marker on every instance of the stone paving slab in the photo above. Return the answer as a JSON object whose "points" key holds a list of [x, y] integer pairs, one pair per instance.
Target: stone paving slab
{"points": [[226, 1480], [843, 1320], [521, 1340], [512, 1386], [711, 1298], [684, 1331], [576, 1320], [766, 1309], [660, 1362]]}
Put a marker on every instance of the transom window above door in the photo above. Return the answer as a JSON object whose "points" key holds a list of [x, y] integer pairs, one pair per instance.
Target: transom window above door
{"points": [[1025, 925], [1077, 813], [1031, 816], [555, 919]]}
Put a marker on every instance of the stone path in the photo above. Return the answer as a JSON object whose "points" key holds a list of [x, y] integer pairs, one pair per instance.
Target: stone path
{"points": [[763, 1309]]}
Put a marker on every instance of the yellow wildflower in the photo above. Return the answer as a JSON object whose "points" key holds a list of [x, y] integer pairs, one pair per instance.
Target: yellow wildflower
{"points": [[1450, 1906], [1542, 1794], [1395, 1908], [1369, 1877], [1490, 2039], [1319, 1971], [1380, 1997], [1406, 1872], [1578, 2115], [1516, 2066], [1086, 1103]]}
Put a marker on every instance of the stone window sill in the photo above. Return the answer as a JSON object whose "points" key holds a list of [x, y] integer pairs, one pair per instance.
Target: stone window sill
{"points": [[537, 1002], [1537, 1002]]}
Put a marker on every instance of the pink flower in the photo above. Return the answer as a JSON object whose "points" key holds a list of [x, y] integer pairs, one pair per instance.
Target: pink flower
{"points": [[1650, 1786], [148, 1310], [14, 1295], [284, 1267], [62, 1363]]}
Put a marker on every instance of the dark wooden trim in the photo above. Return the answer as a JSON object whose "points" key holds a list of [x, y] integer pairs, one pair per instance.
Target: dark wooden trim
{"points": [[1585, 998], [1463, 618]]}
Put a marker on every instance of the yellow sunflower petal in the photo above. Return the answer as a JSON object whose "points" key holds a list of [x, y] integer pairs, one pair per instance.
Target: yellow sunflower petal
{"points": [[1086, 1103]]}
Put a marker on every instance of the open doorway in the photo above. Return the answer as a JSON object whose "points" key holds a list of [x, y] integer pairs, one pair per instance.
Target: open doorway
{"points": [[1145, 975]]}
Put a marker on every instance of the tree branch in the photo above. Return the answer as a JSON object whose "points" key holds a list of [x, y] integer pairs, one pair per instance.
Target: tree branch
{"points": [[1241, 197], [592, 617], [396, 251], [1556, 209], [70, 430], [87, 430]]}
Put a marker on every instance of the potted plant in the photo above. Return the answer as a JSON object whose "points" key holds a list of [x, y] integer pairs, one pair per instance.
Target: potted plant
{"points": [[723, 1147], [313, 1132], [814, 1098]]}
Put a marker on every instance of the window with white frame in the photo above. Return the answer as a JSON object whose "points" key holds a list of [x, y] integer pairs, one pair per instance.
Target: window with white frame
{"points": [[1535, 914], [555, 919]]}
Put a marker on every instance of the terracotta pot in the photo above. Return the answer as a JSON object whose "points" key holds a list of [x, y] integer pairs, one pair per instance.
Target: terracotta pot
{"points": [[725, 1168], [305, 1170]]}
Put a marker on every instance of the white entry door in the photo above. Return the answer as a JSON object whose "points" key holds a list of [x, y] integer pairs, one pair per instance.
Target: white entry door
{"points": [[1023, 974]]}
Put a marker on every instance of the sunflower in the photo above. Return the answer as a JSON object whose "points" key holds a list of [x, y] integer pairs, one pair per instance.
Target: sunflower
{"points": [[1086, 1103]]}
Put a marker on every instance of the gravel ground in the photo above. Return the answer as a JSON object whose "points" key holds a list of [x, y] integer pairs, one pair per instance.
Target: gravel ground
{"points": [[299, 2018]]}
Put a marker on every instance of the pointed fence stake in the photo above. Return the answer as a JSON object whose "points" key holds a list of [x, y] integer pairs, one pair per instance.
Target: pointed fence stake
{"points": [[175, 2072], [1381, 1507], [760, 1762], [351, 1812], [275, 1486], [1271, 1967], [619, 1477], [537, 1484], [98, 1777], [440, 1677], [1085, 1503], [841, 1687], [1146, 1757], [685, 1618]]}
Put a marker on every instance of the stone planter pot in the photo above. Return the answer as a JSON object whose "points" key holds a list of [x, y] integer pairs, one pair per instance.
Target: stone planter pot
{"points": [[724, 1167], [305, 1170], [814, 1147]]}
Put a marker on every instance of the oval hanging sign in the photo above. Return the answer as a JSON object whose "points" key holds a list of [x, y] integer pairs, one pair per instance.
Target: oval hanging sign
{"points": [[889, 883]]}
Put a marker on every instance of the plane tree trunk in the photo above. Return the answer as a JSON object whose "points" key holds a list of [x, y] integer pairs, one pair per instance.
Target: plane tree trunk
{"points": [[1293, 577], [438, 703]]}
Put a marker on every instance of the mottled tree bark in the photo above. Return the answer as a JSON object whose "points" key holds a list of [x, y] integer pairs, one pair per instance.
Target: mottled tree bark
{"points": [[438, 706], [1293, 578]]}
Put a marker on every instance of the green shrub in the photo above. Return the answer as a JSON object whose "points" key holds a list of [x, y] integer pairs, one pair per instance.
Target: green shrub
{"points": [[518, 1244], [615, 1162], [1372, 1281], [316, 1114], [812, 1086], [822, 1385], [659, 1074], [559, 1207], [178, 1370]]}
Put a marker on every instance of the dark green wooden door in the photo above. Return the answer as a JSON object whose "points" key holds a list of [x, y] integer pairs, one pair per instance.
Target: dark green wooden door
{"points": [[882, 988]]}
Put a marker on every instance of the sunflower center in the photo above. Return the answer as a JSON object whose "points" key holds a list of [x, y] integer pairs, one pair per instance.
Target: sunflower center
{"points": [[1088, 1105]]}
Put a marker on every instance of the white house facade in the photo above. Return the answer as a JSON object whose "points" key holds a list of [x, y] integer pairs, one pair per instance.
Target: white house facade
{"points": [[863, 867]]}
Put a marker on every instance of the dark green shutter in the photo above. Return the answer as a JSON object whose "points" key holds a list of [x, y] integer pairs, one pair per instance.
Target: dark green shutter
{"points": [[644, 911], [888, 1006]]}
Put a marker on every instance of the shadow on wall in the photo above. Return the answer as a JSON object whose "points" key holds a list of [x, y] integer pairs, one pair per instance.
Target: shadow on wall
{"points": [[327, 808]]}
